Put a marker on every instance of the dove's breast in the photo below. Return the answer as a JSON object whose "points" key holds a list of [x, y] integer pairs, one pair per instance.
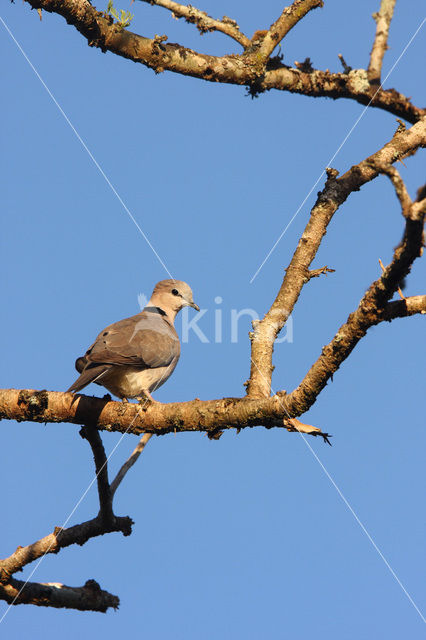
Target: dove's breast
{"points": [[129, 382]]}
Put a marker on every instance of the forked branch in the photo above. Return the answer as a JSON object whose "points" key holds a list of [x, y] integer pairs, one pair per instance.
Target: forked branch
{"points": [[288, 19], [203, 21], [335, 192], [90, 596], [251, 69], [373, 308]]}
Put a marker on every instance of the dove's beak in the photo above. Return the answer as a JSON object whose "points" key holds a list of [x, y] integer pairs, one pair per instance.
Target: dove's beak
{"points": [[194, 306]]}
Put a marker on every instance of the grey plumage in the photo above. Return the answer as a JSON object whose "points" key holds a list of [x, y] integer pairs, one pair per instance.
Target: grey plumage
{"points": [[136, 355]]}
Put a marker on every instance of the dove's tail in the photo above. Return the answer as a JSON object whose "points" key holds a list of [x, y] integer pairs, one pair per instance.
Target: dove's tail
{"points": [[88, 375]]}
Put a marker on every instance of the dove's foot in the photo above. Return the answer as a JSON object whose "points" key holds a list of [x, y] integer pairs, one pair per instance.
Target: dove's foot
{"points": [[146, 397]]}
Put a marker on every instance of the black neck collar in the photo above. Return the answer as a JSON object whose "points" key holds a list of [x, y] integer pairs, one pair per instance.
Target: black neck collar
{"points": [[155, 310]]}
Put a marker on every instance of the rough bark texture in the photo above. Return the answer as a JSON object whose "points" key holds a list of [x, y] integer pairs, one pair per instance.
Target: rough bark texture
{"points": [[90, 597], [297, 274], [383, 19], [372, 309], [253, 68]]}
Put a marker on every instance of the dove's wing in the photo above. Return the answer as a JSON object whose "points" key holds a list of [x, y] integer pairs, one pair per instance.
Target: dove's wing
{"points": [[146, 340]]}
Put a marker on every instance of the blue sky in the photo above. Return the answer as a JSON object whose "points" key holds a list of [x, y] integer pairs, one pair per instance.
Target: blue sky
{"points": [[246, 537]]}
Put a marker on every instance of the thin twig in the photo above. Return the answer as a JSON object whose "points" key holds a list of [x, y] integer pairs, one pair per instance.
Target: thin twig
{"points": [[400, 188], [346, 68], [316, 273], [129, 462], [383, 19], [203, 21]]}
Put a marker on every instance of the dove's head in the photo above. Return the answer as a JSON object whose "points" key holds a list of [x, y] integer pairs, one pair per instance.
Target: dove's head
{"points": [[171, 296]]}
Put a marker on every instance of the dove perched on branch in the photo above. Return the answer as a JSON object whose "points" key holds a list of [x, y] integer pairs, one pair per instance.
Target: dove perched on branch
{"points": [[137, 355]]}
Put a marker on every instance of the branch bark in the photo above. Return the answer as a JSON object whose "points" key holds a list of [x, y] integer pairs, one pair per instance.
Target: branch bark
{"points": [[203, 21], [287, 20], [90, 597], [91, 434], [383, 19], [248, 69], [373, 308], [403, 143], [404, 308], [130, 462]]}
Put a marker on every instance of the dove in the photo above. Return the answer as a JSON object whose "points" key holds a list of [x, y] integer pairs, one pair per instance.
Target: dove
{"points": [[137, 355]]}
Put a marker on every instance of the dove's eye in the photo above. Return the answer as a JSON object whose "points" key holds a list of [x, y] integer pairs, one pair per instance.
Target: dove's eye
{"points": [[175, 292]]}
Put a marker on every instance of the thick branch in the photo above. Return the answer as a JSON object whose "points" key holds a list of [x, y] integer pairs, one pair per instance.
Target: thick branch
{"points": [[246, 69], [203, 21], [90, 597], [372, 309], [197, 415], [352, 86], [383, 19], [287, 20], [404, 143]]}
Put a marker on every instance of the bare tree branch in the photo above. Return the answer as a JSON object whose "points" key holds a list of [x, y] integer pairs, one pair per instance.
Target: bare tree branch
{"points": [[91, 434], [324, 84], [130, 462], [59, 539], [203, 21], [400, 189], [372, 309], [246, 69], [287, 20], [255, 69], [90, 597], [383, 19], [336, 191]]}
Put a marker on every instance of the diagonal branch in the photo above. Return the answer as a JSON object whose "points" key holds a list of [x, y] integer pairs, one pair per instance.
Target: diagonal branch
{"points": [[400, 189], [383, 19], [287, 20], [373, 308], [203, 21], [130, 462], [335, 192], [59, 539]]}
